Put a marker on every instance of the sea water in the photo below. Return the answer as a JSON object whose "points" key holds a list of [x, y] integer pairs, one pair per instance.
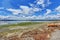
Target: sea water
{"points": [[13, 22]]}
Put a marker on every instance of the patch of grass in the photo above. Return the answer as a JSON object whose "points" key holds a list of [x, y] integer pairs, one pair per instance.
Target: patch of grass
{"points": [[20, 24], [26, 23]]}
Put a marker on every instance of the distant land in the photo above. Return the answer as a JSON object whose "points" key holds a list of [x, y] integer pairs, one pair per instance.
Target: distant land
{"points": [[31, 20]]}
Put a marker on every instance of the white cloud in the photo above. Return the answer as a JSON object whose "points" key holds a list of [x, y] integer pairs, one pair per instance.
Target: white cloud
{"points": [[31, 4], [57, 9], [11, 17], [52, 17], [24, 10], [15, 11], [36, 9], [42, 2], [29, 10], [2, 17], [34, 17], [48, 11]]}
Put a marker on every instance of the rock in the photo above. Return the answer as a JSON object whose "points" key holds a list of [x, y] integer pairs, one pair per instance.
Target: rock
{"points": [[55, 35]]}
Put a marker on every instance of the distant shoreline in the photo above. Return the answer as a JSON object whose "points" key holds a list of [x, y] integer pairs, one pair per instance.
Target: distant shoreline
{"points": [[29, 20]]}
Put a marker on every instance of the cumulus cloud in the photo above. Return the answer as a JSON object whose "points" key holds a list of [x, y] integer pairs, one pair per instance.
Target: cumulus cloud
{"points": [[43, 3], [24, 10], [58, 9], [2, 17], [48, 11], [11, 17], [40, 2], [34, 17], [30, 10], [15, 11]]}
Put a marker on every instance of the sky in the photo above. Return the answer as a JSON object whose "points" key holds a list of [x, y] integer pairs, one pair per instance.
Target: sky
{"points": [[30, 9]]}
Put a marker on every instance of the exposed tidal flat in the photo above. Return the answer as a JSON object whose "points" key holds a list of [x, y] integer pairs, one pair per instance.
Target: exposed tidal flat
{"points": [[18, 27]]}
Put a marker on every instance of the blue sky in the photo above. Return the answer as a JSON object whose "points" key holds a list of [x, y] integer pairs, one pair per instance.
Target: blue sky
{"points": [[29, 9]]}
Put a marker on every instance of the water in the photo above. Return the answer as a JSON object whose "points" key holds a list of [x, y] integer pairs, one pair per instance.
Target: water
{"points": [[10, 22], [13, 22]]}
